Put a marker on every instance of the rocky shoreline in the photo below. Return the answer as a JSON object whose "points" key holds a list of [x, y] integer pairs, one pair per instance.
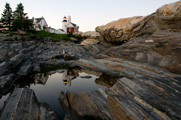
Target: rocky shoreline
{"points": [[146, 62]]}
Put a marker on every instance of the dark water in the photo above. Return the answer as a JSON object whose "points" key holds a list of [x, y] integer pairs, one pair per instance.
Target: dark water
{"points": [[47, 86]]}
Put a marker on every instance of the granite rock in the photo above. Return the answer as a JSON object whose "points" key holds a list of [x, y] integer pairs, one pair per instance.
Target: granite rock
{"points": [[165, 18]]}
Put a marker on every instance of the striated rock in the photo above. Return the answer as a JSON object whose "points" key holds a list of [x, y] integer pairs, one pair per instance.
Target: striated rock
{"points": [[16, 60], [163, 52], [86, 105], [3, 68], [165, 18], [144, 92], [143, 99], [23, 104], [90, 41], [119, 67], [6, 82], [26, 68]]}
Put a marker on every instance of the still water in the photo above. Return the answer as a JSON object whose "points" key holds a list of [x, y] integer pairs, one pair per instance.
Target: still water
{"points": [[47, 86]]}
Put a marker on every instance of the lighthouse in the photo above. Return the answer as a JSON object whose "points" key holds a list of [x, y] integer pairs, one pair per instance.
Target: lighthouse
{"points": [[64, 24], [68, 26]]}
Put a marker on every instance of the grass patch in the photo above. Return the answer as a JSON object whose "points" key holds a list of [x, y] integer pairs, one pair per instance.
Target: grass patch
{"points": [[43, 34]]}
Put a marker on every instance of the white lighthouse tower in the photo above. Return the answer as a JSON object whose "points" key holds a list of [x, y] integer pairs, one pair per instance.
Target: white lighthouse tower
{"points": [[64, 24]]}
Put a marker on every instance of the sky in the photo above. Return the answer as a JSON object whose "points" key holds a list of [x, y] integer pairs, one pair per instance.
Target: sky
{"points": [[87, 14]]}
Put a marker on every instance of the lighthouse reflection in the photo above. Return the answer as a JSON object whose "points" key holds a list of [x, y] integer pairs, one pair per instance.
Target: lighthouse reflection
{"points": [[68, 76]]}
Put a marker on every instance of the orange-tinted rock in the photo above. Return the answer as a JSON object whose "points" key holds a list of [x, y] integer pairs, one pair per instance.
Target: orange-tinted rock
{"points": [[167, 17]]}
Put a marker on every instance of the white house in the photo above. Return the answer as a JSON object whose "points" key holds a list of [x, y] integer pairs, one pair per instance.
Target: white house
{"points": [[58, 31], [51, 30], [40, 24], [68, 26]]}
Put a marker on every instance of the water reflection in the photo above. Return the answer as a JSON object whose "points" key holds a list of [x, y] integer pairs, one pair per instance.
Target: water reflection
{"points": [[40, 78], [68, 76], [106, 80], [47, 86]]}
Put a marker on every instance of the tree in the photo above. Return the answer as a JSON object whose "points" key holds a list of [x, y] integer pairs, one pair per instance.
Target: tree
{"points": [[21, 20], [7, 16], [19, 12]]}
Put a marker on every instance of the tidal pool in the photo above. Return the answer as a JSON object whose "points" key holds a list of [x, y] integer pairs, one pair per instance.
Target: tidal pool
{"points": [[47, 86]]}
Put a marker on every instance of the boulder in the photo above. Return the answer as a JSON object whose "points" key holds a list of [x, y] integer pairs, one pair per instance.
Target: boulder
{"points": [[169, 8], [88, 34], [90, 42], [165, 18]]}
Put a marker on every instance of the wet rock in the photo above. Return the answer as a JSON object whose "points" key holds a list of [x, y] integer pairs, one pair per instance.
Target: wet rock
{"points": [[23, 104]]}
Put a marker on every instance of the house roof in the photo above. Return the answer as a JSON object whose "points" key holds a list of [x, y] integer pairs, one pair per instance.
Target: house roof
{"points": [[38, 19], [73, 24], [61, 29]]}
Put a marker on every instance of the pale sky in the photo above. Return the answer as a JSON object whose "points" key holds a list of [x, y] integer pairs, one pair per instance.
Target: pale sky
{"points": [[87, 14]]}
